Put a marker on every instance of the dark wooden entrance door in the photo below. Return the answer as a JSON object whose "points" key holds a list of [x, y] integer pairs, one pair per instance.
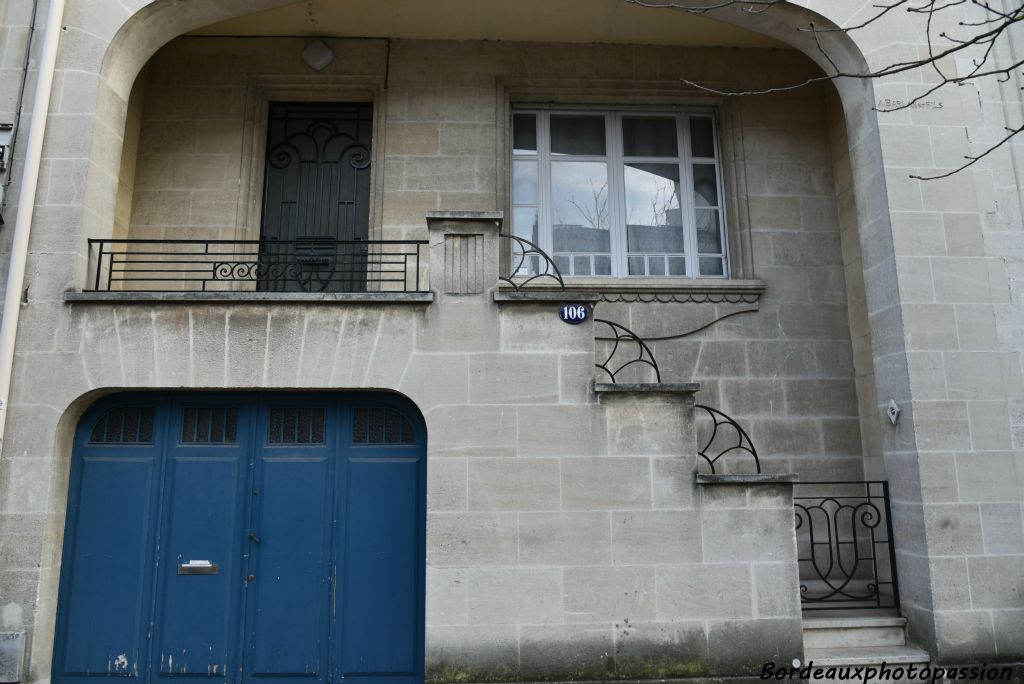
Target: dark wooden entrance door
{"points": [[316, 195]]}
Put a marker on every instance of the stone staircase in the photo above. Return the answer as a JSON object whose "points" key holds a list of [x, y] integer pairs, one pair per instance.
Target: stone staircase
{"points": [[859, 640]]}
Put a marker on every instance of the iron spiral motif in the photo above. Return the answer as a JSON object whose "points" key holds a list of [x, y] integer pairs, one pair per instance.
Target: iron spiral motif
{"points": [[644, 355], [529, 253], [358, 156], [256, 270], [841, 547], [724, 425]]}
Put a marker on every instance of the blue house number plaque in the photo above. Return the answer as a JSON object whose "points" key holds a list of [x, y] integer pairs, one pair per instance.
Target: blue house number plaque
{"points": [[574, 313]]}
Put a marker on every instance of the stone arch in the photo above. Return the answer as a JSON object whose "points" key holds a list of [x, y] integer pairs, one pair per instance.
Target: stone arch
{"points": [[116, 51], [879, 315], [122, 49]]}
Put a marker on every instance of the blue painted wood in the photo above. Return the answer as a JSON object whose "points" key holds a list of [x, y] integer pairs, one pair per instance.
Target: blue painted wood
{"points": [[288, 601], [320, 549], [203, 511], [106, 588]]}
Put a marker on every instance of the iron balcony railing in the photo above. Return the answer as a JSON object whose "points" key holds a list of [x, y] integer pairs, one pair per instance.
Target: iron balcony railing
{"points": [[845, 546], [303, 265]]}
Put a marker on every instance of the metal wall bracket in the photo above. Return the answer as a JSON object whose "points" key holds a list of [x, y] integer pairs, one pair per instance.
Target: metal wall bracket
{"points": [[6, 134]]}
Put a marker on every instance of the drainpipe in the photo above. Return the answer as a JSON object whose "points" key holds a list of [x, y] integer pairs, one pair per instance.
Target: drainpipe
{"points": [[20, 106], [26, 204]]}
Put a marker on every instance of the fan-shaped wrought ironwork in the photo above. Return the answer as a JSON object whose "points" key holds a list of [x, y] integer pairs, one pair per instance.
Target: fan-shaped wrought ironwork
{"points": [[727, 438], [625, 336], [529, 263]]}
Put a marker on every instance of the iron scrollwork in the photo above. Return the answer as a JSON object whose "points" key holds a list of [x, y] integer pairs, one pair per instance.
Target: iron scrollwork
{"points": [[309, 277], [723, 425], [622, 334], [303, 265], [531, 262], [842, 543]]}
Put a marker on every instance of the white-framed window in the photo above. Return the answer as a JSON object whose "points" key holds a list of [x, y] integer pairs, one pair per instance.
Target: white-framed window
{"points": [[620, 192]]}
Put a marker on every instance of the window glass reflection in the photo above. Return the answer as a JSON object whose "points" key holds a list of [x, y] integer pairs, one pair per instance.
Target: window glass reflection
{"points": [[654, 217], [524, 134], [577, 134], [705, 185], [709, 235], [524, 182], [649, 136], [702, 136], [579, 207]]}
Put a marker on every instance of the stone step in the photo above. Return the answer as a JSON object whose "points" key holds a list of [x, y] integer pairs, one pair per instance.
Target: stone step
{"points": [[854, 632], [860, 656], [856, 663]]}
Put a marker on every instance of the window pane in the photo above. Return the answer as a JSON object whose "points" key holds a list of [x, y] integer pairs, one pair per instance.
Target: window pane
{"points": [[649, 136], [602, 265], [677, 266], [656, 265], [524, 134], [524, 223], [702, 140], [705, 185], [709, 234], [636, 265], [654, 219], [579, 208], [711, 266], [581, 265], [573, 134], [524, 182]]}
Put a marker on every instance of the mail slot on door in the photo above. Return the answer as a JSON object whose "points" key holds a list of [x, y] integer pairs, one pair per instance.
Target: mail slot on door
{"points": [[198, 567]]}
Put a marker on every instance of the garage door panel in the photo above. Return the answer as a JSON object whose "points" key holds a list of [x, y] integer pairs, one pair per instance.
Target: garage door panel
{"points": [[199, 606], [106, 597], [381, 561], [291, 567]]}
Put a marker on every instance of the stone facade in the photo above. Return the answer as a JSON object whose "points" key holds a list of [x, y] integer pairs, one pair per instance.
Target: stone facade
{"points": [[587, 552]]}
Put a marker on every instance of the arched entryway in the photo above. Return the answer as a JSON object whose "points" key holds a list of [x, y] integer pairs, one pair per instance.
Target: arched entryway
{"points": [[236, 537]]}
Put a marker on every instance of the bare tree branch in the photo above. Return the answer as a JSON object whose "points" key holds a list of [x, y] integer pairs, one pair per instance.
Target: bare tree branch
{"points": [[972, 159], [976, 40]]}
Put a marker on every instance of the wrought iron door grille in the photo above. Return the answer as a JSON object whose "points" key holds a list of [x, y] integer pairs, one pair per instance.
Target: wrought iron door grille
{"points": [[316, 195], [845, 546], [303, 265]]}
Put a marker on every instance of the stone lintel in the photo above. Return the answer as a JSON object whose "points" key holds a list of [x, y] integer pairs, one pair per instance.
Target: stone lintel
{"points": [[249, 297], [476, 216], [748, 479], [647, 387]]}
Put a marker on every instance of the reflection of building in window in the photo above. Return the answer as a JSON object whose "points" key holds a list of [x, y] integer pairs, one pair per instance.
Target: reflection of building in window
{"points": [[620, 193]]}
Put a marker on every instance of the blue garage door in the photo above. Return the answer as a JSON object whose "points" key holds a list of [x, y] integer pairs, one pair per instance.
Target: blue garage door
{"points": [[235, 538]]}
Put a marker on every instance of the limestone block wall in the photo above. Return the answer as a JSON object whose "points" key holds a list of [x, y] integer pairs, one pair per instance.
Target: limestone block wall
{"points": [[566, 534], [783, 365], [953, 355], [785, 372]]}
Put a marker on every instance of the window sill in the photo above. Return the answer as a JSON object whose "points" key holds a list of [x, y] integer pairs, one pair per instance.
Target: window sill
{"points": [[249, 297], [696, 290], [528, 295]]}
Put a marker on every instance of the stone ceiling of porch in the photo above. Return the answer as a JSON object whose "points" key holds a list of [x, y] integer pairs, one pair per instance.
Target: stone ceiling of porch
{"points": [[577, 21]]}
